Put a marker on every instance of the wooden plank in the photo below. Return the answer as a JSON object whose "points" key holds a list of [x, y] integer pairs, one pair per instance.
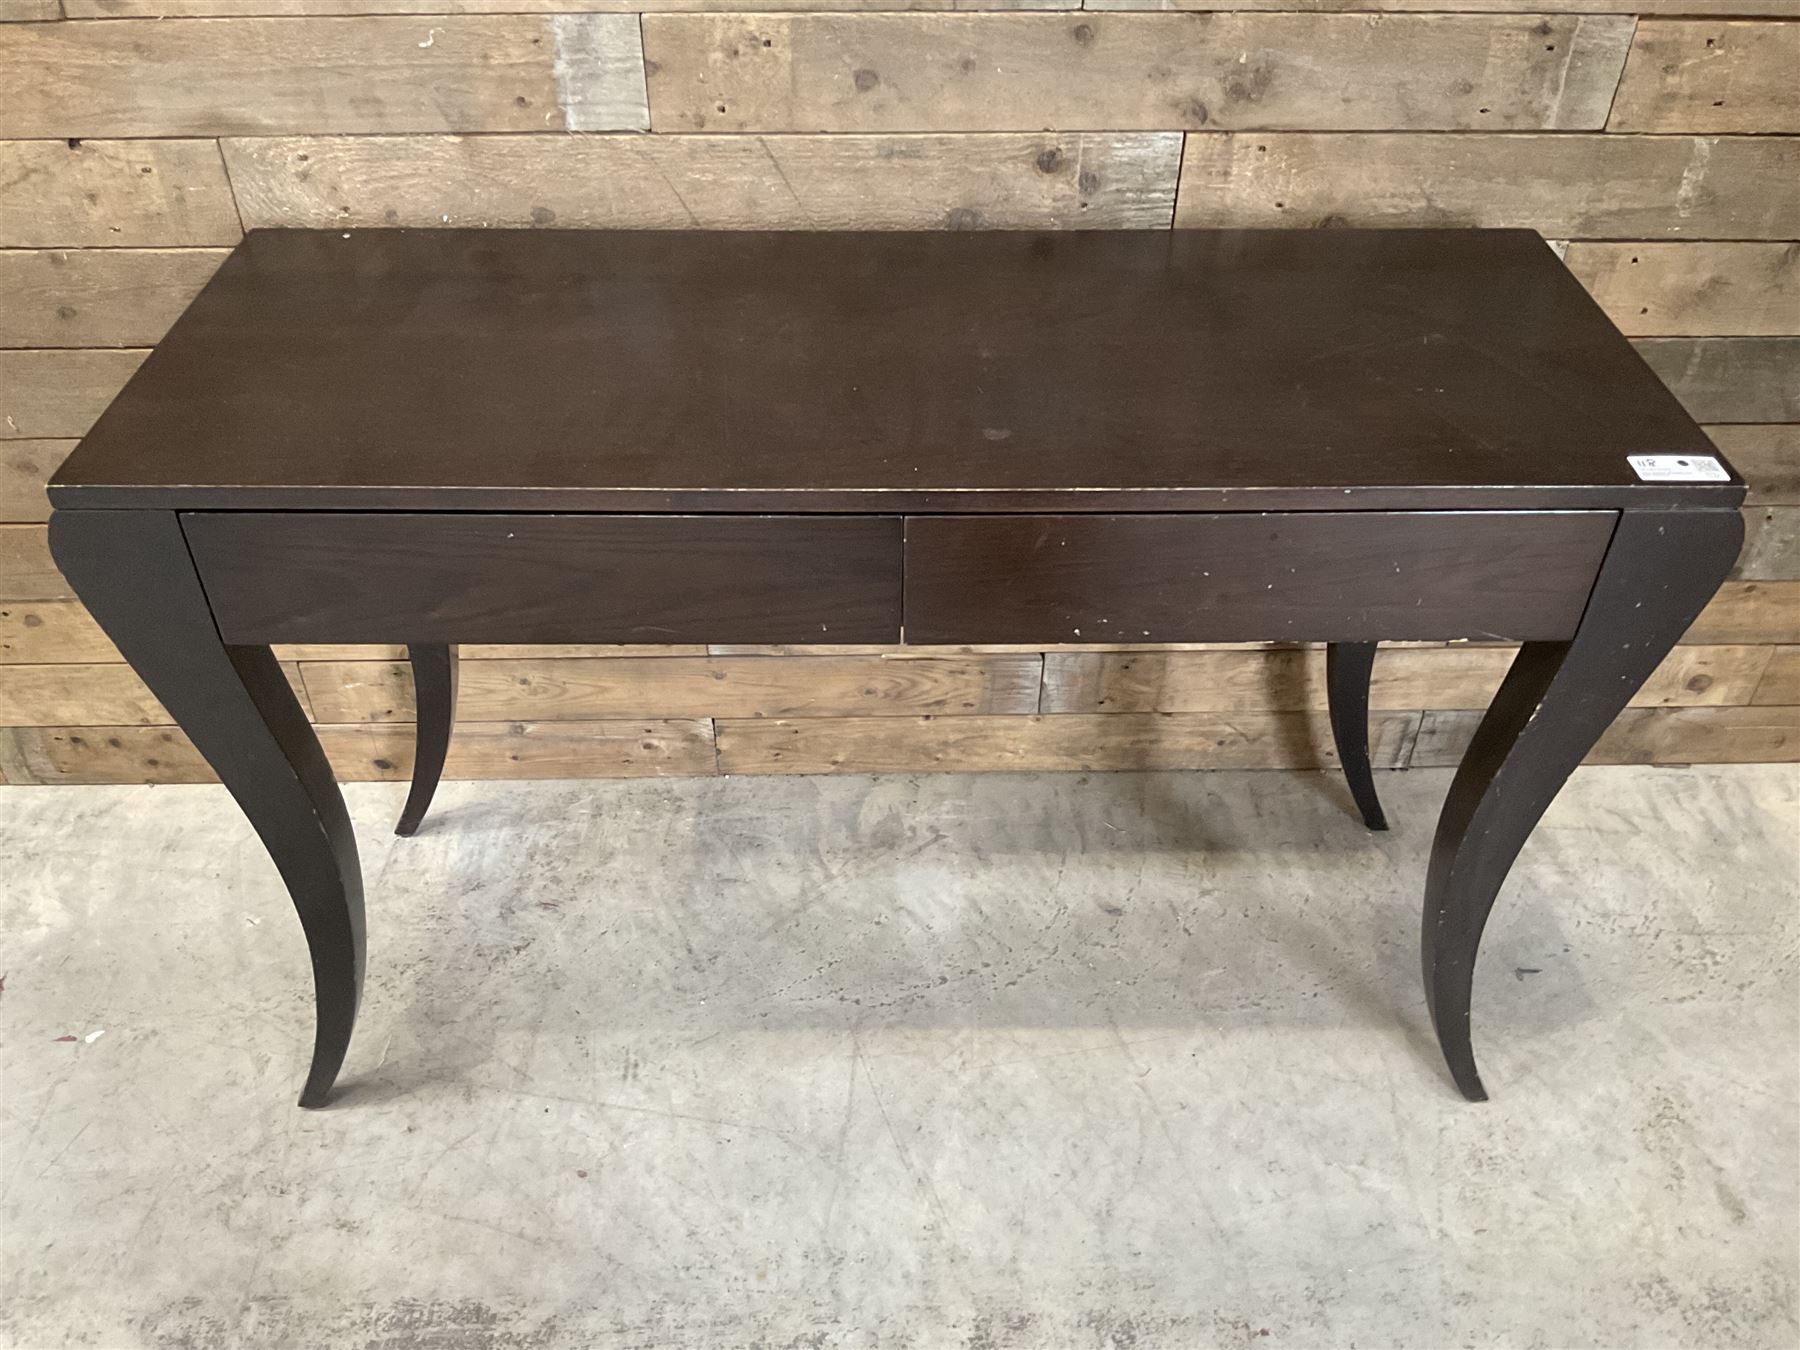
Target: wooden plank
{"points": [[29, 11], [1693, 290], [53, 395], [1771, 544], [1747, 379], [1781, 679], [1767, 456], [49, 632], [26, 569], [157, 9], [208, 77], [97, 297], [1710, 75], [1404, 678], [585, 690], [1283, 680], [1647, 736], [1696, 677], [375, 752], [1772, 8], [32, 696], [63, 695], [25, 467], [1130, 72], [714, 182], [1750, 612], [1565, 187], [978, 744], [114, 194], [45, 632]]}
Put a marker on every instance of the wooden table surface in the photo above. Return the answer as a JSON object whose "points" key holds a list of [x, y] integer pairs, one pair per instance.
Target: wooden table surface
{"points": [[534, 370]]}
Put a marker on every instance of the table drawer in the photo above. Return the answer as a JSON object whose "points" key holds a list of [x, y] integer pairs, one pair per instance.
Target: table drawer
{"points": [[377, 577], [1318, 577]]}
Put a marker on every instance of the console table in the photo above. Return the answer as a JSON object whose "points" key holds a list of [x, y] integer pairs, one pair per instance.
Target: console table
{"points": [[1341, 436]]}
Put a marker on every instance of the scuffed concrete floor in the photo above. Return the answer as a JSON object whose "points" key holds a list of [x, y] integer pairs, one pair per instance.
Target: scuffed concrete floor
{"points": [[1052, 1061]]}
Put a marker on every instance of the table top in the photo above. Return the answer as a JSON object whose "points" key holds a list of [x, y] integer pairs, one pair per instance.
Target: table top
{"points": [[672, 371]]}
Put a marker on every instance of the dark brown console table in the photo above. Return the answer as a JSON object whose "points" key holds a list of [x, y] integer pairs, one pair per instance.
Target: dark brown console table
{"points": [[1340, 436]]}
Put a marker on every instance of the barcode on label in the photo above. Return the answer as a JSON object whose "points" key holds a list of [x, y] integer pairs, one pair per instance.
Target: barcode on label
{"points": [[1678, 469]]}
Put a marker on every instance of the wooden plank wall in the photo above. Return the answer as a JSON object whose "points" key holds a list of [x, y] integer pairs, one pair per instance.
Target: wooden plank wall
{"points": [[1655, 142]]}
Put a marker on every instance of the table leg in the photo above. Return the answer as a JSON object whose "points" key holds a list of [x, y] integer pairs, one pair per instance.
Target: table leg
{"points": [[1348, 669], [132, 570], [1556, 700], [434, 692]]}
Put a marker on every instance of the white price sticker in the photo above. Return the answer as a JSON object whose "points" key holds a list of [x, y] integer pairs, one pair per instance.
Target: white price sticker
{"points": [[1678, 469]]}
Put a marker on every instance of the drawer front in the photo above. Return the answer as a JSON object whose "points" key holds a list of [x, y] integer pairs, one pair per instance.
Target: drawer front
{"points": [[329, 577], [1312, 577]]}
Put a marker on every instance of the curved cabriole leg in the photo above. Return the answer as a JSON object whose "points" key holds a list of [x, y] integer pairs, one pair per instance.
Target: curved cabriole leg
{"points": [[1558, 697], [1348, 668], [434, 690], [132, 570]]}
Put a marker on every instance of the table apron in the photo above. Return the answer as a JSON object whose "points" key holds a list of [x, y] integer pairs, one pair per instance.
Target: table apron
{"points": [[1279, 576], [420, 578], [882, 579]]}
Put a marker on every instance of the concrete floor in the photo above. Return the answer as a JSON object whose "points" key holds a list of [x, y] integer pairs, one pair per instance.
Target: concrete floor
{"points": [[1052, 1061]]}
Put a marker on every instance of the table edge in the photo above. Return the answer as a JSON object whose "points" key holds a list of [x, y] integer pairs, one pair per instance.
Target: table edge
{"points": [[897, 501]]}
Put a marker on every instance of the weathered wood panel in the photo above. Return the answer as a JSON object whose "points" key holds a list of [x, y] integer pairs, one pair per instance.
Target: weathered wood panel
{"points": [[32, 696], [1646, 736], [1747, 379], [711, 182], [114, 194], [1772, 8], [373, 752], [1750, 612], [1692, 75], [48, 696], [1404, 678], [28, 11], [55, 395], [1693, 290], [1771, 544], [886, 74], [984, 744], [1565, 187], [100, 755], [207, 77], [25, 467], [618, 749], [45, 632], [1767, 456], [1126, 72], [1781, 679], [585, 690], [98, 297], [26, 569], [113, 9]]}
